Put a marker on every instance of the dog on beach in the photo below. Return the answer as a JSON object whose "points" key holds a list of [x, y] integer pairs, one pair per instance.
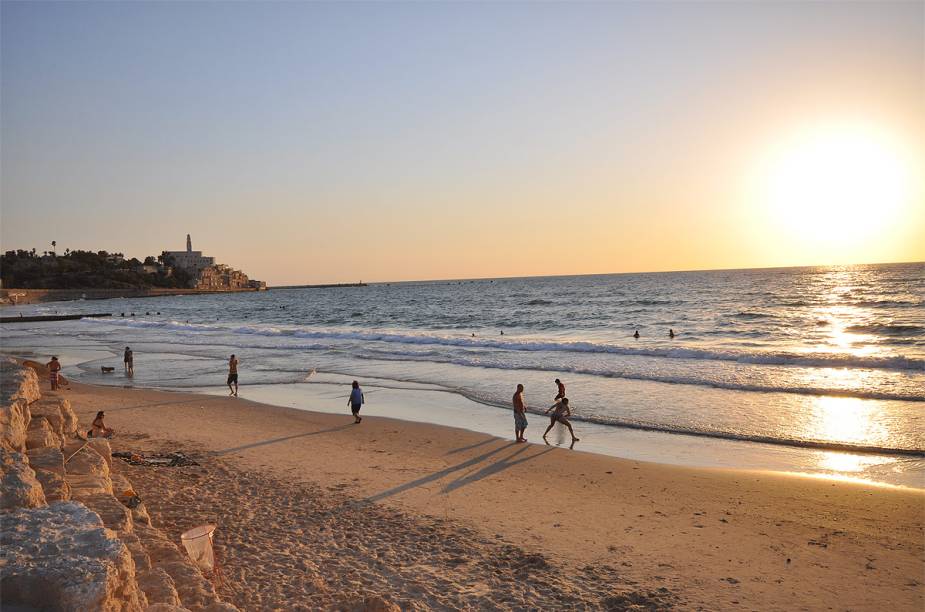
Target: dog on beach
{"points": [[106, 370]]}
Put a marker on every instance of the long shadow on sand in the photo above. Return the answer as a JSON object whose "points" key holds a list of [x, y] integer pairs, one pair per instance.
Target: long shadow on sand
{"points": [[487, 471], [498, 466], [277, 440], [471, 446]]}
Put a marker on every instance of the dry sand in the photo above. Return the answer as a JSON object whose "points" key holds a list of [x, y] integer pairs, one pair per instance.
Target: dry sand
{"points": [[316, 512]]}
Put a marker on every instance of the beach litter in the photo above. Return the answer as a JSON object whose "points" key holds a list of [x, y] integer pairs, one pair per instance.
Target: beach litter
{"points": [[198, 544], [155, 459]]}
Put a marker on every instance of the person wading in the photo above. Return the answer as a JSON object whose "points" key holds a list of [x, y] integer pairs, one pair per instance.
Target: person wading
{"points": [[233, 376], [561, 412]]}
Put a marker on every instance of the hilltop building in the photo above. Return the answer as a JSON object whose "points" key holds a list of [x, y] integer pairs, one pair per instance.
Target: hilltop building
{"points": [[208, 275], [191, 261]]}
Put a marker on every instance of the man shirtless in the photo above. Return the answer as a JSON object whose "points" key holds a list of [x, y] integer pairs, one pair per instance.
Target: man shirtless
{"points": [[560, 414], [520, 414], [561, 386], [233, 375], [54, 366]]}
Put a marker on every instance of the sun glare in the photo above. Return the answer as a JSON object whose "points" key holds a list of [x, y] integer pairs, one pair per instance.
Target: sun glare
{"points": [[836, 185]]}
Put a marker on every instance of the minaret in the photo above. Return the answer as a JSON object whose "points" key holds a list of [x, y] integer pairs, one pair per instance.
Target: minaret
{"points": [[189, 244]]}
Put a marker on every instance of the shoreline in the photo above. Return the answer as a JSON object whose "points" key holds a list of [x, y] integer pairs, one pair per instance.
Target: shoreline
{"points": [[708, 538], [414, 404], [21, 297]]}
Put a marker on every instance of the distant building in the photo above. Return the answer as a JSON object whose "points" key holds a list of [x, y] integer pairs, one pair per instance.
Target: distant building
{"points": [[192, 261], [221, 276], [206, 274]]}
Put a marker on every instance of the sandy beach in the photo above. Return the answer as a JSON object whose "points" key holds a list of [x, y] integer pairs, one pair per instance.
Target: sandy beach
{"points": [[314, 511]]}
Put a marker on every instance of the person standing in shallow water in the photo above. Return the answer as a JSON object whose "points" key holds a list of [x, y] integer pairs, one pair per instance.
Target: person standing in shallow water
{"points": [[356, 401], [233, 376], [129, 360], [561, 412], [520, 415]]}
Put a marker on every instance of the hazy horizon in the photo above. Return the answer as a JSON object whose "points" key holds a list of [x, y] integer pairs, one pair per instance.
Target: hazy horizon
{"points": [[308, 143]]}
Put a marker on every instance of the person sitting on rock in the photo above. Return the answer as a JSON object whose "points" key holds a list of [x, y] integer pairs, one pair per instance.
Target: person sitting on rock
{"points": [[99, 428]]}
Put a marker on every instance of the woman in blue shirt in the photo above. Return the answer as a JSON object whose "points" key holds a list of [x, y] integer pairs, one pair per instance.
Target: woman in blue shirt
{"points": [[356, 400]]}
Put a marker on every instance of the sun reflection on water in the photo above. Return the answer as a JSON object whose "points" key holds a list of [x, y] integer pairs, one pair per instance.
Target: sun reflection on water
{"points": [[845, 419]]}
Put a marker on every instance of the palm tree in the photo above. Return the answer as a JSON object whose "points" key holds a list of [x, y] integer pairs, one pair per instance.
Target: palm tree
{"points": [[53, 245]]}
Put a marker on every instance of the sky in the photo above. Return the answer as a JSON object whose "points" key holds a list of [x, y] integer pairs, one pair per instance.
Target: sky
{"points": [[336, 142]]}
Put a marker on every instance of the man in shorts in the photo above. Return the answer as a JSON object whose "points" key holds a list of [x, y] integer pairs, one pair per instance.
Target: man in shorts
{"points": [[129, 360], [561, 412], [561, 388], [233, 375], [520, 415], [54, 366]]}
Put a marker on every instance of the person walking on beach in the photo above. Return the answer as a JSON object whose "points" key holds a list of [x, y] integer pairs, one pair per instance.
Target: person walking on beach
{"points": [[54, 366], [520, 415], [355, 401], [129, 361], [561, 390], [561, 412], [233, 376]]}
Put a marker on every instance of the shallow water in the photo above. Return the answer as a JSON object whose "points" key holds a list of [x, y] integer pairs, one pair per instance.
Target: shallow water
{"points": [[812, 358]]}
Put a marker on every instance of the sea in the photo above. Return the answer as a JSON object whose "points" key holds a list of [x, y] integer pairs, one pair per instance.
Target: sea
{"points": [[813, 370]]}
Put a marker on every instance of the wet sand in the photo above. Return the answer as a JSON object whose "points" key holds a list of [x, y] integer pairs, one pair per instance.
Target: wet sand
{"points": [[314, 511]]}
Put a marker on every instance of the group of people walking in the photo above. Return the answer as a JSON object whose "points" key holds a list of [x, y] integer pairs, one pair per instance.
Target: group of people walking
{"points": [[560, 412]]}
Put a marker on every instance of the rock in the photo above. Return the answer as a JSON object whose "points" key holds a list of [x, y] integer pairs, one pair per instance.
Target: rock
{"points": [[17, 382], [19, 387], [138, 552], [159, 588], [85, 460], [114, 515], [40, 435], [140, 514], [165, 608], [102, 447], [15, 417], [59, 414], [48, 458], [55, 487], [62, 558], [194, 590], [85, 484], [19, 487]]}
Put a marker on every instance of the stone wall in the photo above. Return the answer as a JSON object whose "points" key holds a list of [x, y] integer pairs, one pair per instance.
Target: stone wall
{"points": [[66, 540]]}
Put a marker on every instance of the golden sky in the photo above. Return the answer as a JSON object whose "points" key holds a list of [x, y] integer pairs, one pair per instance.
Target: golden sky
{"points": [[329, 143]]}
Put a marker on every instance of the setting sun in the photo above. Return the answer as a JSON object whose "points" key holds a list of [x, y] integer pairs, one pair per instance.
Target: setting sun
{"points": [[838, 184]]}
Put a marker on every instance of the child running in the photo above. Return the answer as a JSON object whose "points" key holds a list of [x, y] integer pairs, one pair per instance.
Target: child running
{"points": [[561, 412]]}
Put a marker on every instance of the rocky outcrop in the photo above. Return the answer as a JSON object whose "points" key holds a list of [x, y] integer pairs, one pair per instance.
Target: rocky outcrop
{"points": [[97, 551], [19, 487], [40, 435], [19, 387], [59, 414], [17, 382], [62, 558]]}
